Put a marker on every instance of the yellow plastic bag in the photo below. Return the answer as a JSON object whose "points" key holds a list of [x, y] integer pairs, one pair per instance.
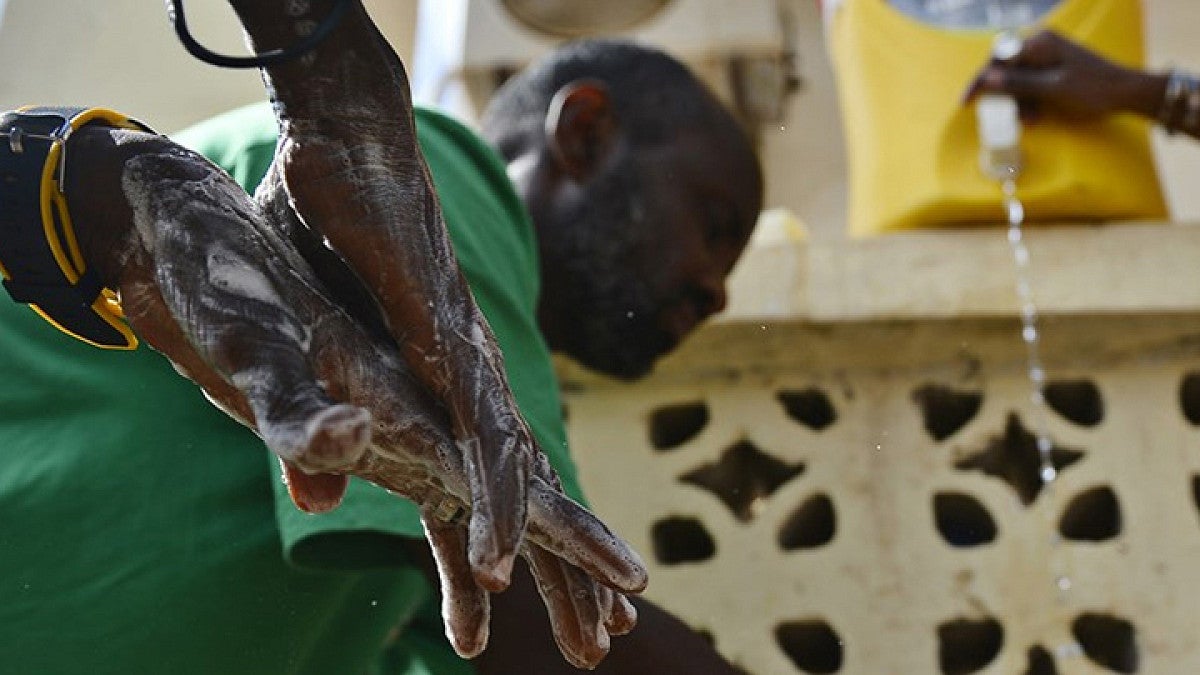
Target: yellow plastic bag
{"points": [[912, 146]]}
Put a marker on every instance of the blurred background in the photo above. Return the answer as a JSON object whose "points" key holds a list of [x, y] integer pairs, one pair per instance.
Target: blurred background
{"points": [[123, 54]]}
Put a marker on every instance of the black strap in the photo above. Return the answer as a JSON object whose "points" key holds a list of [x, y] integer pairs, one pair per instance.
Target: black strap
{"points": [[269, 58], [33, 273], [81, 294]]}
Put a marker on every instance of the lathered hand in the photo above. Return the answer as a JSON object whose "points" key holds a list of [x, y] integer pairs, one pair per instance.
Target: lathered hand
{"points": [[349, 164], [349, 167], [220, 284]]}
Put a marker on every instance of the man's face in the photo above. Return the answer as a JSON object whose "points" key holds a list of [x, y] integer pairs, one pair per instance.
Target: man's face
{"points": [[641, 255]]}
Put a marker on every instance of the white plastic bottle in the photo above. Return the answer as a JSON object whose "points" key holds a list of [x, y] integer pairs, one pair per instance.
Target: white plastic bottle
{"points": [[998, 121]]}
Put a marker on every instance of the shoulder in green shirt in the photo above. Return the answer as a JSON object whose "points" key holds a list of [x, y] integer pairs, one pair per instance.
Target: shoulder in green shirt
{"points": [[144, 531]]}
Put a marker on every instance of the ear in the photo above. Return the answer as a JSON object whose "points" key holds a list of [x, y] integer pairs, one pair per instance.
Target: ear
{"points": [[580, 127]]}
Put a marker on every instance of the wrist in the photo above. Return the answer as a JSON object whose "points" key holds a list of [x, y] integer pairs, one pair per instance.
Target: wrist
{"points": [[1147, 94], [1180, 108]]}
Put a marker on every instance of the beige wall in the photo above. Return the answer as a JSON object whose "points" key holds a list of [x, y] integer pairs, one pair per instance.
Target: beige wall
{"points": [[1171, 27], [123, 54], [799, 474]]}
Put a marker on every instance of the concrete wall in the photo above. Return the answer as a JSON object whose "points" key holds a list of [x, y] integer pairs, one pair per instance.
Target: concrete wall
{"points": [[840, 475], [834, 476]]}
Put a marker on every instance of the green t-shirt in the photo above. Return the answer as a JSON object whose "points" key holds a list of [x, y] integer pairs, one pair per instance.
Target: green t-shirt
{"points": [[142, 531]]}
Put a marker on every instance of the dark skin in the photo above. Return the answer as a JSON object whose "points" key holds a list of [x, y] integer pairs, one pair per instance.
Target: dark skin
{"points": [[682, 265], [661, 643], [1053, 75], [687, 261], [522, 640], [228, 290], [636, 243], [182, 243]]}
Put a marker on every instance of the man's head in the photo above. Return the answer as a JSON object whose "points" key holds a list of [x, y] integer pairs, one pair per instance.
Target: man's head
{"points": [[643, 190]]}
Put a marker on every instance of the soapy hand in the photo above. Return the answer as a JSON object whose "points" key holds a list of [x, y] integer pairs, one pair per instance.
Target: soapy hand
{"points": [[223, 287], [349, 166], [328, 314]]}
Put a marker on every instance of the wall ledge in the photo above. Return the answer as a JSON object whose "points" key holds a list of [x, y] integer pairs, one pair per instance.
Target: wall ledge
{"points": [[1134, 267]]}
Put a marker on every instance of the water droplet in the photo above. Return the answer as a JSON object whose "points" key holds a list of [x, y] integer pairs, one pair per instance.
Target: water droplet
{"points": [[878, 447], [1016, 212], [763, 327], [374, 603], [1069, 650], [1021, 256], [1049, 474], [628, 315], [1063, 583], [1029, 329]]}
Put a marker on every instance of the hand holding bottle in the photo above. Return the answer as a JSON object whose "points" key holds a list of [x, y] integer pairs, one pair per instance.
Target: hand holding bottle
{"points": [[1052, 75]]}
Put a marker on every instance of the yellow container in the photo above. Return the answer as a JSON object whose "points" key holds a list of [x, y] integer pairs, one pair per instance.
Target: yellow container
{"points": [[912, 147]]}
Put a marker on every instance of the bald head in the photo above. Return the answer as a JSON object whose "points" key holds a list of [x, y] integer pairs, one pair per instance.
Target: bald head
{"points": [[653, 94], [643, 191]]}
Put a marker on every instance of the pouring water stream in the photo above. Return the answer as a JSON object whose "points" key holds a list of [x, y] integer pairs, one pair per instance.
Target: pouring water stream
{"points": [[1000, 159], [1030, 332]]}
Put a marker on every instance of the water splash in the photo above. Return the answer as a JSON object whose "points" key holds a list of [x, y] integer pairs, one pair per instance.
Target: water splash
{"points": [[1030, 333]]}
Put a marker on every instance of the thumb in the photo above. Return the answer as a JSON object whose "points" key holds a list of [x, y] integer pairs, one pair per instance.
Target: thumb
{"points": [[988, 81], [1017, 82], [1026, 82]]}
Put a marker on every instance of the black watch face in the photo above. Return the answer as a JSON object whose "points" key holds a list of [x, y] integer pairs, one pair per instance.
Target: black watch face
{"points": [[976, 14]]}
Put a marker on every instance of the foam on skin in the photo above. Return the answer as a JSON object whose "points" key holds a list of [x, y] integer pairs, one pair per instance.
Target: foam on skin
{"points": [[219, 284]]}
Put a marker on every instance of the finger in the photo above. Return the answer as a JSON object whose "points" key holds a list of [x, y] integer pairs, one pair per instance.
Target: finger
{"points": [[619, 614], [498, 510], [313, 492], [1026, 82], [1029, 110], [230, 292], [604, 596], [574, 534], [335, 436], [1017, 82], [573, 606], [1041, 50], [623, 616], [465, 606], [976, 87]]}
